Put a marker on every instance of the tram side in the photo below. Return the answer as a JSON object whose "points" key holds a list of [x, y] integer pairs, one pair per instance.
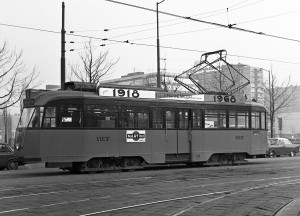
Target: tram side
{"points": [[81, 132]]}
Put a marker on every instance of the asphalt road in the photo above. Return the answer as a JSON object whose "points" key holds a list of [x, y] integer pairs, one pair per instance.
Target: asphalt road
{"points": [[261, 187]]}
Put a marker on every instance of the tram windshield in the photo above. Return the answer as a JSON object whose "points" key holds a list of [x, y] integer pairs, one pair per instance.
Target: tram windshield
{"points": [[31, 117]]}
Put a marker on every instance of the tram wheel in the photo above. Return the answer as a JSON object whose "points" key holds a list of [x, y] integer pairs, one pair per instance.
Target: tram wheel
{"points": [[78, 168]]}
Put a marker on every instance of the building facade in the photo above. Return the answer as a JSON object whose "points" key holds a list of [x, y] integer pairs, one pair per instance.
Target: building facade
{"points": [[8, 125], [214, 81], [289, 117]]}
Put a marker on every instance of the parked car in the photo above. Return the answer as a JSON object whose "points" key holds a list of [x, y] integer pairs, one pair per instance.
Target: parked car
{"points": [[295, 140], [281, 146], [7, 157]]}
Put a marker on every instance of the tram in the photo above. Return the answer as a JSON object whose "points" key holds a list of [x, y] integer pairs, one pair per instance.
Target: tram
{"points": [[95, 129]]}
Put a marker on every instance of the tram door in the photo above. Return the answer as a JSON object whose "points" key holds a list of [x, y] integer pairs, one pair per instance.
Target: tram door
{"points": [[177, 131]]}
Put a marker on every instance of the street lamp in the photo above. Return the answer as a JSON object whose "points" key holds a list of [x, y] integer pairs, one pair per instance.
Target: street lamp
{"points": [[157, 44]]}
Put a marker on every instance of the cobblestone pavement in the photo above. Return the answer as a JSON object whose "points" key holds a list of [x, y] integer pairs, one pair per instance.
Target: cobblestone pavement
{"points": [[262, 187]]}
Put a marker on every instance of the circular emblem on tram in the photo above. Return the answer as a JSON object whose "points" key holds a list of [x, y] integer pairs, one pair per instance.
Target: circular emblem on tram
{"points": [[135, 135]]}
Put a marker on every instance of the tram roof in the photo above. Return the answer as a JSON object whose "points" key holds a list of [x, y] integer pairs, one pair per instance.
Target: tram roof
{"points": [[45, 97]]}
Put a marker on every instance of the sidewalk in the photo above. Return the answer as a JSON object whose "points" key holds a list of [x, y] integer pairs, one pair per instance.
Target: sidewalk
{"points": [[291, 209]]}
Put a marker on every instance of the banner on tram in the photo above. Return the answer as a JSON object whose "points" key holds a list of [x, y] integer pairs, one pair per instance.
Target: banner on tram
{"points": [[136, 93]]}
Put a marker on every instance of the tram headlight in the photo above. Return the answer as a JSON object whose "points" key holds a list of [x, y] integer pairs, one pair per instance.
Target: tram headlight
{"points": [[17, 145]]}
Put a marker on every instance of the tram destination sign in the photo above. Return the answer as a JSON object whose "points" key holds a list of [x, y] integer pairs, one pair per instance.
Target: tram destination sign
{"points": [[136, 93]]}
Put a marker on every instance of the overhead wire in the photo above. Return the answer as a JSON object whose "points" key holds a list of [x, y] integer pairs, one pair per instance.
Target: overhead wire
{"points": [[139, 44], [230, 26], [220, 11], [181, 49]]}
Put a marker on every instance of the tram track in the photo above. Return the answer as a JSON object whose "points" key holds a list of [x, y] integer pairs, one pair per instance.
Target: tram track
{"points": [[209, 197], [181, 191], [222, 194]]}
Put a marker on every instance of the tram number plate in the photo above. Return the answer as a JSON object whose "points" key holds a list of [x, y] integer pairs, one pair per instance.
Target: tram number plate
{"points": [[224, 98], [126, 93], [133, 93]]}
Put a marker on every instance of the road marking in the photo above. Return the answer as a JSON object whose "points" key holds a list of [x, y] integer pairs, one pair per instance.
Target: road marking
{"points": [[63, 203], [50, 205], [36, 194], [127, 179], [13, 210], [155, 202]]}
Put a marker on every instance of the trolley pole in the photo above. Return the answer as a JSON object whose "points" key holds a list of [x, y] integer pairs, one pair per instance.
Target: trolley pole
{"points": [[63, 50], [157, 44]]}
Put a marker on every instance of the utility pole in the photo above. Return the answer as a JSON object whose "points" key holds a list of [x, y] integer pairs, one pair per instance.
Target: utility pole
{"points": [[157, 45], [63, 50]]}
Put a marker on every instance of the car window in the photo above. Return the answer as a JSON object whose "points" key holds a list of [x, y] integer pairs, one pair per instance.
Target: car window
{"points": [[287, 142], [273, 142], [3, 148]]}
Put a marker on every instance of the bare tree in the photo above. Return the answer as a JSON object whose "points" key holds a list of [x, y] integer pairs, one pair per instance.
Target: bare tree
{"points": [[14, 78], [277, 96], [94, 66]]}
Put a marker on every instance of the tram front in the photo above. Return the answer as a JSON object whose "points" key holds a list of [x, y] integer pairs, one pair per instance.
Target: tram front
{"points": [[27, 141]]}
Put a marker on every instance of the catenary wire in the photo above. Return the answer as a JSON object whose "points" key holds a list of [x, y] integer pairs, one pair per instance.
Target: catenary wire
{"points": [[230, 26], [219, 11], [139, 44], [177, 48]]}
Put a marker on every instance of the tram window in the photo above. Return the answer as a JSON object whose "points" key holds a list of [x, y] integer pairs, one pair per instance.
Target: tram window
{"points": [[183, 118], [26, 117], [134, 117], [127, 118], [50, 117], [263, 120], [232, 119], [101, 116], [238, 119], [157, 117], [197, 118], [242, 119], [142, 120], [69, 115], [215, 119], [36, 118], [255, 120], [170, 118]]}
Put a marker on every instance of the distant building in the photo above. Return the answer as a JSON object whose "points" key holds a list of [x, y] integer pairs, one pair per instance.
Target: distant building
{"points": [[8, 126], [253, 91], [213, 80], [290, 117], [149, 80]]}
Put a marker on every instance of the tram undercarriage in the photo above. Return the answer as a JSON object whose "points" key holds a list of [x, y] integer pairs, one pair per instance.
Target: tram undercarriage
{"points": [[135, 163], [102, 164]]}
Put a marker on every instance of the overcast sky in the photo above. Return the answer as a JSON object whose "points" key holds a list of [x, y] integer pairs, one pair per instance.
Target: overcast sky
{"points": [[186, 40]]}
